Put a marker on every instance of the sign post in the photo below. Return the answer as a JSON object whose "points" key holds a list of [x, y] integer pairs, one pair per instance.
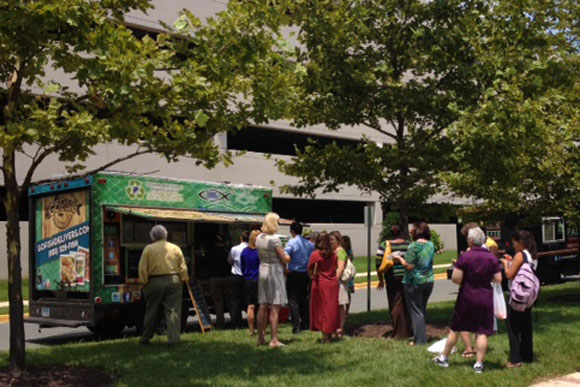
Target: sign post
{"points": [[369, 224]]}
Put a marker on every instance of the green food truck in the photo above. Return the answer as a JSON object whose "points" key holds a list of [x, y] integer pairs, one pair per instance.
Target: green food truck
{"points": [[87, 235]]}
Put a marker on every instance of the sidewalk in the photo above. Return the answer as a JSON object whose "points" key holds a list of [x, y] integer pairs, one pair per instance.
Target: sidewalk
{"points": [[363, 285], [572, 380], [358, 275], [6, 304]]}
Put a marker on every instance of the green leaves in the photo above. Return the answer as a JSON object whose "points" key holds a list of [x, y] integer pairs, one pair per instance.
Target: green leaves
{"points": [[181, 24], [201, 118], [170, 95], [404, 71], [480, 93], [525, 118]]}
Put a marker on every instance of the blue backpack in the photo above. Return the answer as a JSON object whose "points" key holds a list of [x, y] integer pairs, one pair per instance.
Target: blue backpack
{"points": [[525, 286]]}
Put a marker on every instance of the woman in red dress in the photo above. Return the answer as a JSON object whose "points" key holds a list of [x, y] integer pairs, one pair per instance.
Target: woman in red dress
{"points": [[324, 295]]}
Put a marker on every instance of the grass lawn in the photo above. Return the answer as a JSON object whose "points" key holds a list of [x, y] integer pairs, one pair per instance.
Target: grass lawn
{"points": [[445, 257], [231, 358], [359, 280], [6, 310], [4, 289]]}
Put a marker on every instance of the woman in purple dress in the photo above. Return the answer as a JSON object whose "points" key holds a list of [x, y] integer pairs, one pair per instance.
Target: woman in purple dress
{"points": [[474, 272]]}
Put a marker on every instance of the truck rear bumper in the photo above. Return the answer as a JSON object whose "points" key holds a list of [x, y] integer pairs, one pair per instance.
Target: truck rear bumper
{"points": [[47, 322], [55, 313]]}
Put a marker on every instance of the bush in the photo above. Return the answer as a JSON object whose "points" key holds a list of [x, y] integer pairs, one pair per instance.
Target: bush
{"points": [[437, 241], [391, 218]]}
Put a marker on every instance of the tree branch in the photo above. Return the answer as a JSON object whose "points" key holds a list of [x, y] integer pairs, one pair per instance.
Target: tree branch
{"points": [[98, 169], [432, 134], [525, 32], [27, 155], [39, 157], [442, 79], [378, 129]]}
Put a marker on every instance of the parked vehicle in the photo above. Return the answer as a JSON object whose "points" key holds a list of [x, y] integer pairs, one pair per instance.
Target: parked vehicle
{"points": [[87, 236], [556, 239]]}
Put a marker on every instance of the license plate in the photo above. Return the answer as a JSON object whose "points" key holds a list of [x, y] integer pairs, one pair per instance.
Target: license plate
{"points": [[45, 312]]}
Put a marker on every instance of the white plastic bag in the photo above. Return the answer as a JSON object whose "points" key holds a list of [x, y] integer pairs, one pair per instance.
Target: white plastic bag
{"points": [[499, 307], [438, 346]]}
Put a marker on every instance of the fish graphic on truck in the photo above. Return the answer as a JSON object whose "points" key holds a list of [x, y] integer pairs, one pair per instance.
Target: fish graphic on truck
{"points": [[213, 195]]}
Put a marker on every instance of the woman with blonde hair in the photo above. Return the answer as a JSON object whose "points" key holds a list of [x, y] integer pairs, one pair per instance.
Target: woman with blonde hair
{"points": [[250, 262], [271, 285]]}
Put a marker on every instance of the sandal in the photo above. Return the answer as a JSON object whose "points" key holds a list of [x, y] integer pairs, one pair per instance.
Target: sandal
{"points": [[509, 365], [468, 354], [276, 344]]}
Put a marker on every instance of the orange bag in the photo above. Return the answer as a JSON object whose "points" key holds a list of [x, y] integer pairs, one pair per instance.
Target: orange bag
{"points": [[387, 263]]}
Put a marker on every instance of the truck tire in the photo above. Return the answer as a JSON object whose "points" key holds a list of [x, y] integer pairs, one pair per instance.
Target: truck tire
{"points": [[184, 314], [110, 329]]}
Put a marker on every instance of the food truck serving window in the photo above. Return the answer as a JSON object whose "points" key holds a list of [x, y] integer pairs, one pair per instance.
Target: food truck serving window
{"points": [[553, 229], [191, 215]]}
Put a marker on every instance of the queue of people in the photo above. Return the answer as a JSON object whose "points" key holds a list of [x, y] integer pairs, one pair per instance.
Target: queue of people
{"points": [[265, 275], [307, 275]]}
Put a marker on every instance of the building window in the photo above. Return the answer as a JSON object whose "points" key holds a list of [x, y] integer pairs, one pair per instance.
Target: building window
{"points": [[553, 230], [320, 211], [277, 142], [140, 33]]}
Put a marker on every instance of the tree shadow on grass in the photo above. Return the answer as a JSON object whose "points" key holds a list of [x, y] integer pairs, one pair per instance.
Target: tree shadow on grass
{"points": [[85, 336], [78, 338], [198, 362]]}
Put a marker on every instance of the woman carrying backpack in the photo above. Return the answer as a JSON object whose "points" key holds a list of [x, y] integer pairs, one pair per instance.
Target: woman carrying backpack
{"points": [[519, 323]]}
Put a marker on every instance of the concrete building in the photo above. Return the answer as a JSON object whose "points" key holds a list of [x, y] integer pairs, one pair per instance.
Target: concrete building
{"points": [[343, 211]]}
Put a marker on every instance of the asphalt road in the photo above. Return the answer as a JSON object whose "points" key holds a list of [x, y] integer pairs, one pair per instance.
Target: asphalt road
{"points": [[444, 290]]}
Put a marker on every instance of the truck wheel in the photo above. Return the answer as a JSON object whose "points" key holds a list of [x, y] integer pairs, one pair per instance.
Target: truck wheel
{"points": [[139, 326], [184, 315], [110, 329]]}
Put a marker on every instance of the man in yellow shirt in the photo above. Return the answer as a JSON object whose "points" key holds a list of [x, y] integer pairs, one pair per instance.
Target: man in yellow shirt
{"points": [[162, 271]]}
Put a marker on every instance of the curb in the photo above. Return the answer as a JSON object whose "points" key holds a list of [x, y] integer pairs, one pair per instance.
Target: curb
{"points": [[5, 318], [6, 304], [363, 285]]}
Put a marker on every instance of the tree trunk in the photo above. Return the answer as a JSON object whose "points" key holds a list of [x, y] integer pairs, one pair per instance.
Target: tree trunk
{"points": [[404, 173], [404, 216], [11, 203]]}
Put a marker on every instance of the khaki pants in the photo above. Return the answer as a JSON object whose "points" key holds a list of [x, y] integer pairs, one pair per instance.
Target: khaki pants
{"points": [[163, 292]]}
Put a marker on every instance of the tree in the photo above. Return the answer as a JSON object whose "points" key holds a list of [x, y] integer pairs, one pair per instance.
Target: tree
{"points": [[425, 75], [516, 150], [403, 69], [168, 95]]}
